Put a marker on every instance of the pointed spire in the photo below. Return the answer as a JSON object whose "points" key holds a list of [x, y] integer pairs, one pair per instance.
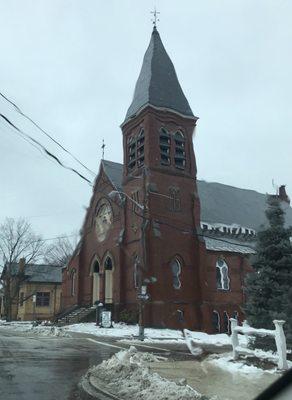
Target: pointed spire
{"points": [[158, 84]]}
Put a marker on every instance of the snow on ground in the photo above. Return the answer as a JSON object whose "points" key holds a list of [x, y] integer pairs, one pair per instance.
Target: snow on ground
{"points": [[127, 375], [42, 330], [225, 361], [152, 335]]}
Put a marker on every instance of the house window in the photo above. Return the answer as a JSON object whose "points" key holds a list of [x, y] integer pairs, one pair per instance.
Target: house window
{"points": [[164, 143], [222, 278], [216, 321], [43, 299], [180, 154], [174, 199], [21, 299], [176, 271]]}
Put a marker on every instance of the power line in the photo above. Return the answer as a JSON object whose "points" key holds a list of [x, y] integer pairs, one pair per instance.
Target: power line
{"points": [[46, 133], [30, 138]]}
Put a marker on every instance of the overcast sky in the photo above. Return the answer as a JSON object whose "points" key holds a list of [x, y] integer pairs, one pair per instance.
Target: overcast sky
{"points": [[72, 66]]}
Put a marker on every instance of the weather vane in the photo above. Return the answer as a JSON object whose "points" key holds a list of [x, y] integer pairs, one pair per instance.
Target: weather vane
{"points": [[103, 146], [155, 18]]}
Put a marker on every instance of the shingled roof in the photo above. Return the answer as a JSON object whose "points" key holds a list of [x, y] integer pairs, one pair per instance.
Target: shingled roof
{"points": [[158, 84], [219, 203], [41, 273]]}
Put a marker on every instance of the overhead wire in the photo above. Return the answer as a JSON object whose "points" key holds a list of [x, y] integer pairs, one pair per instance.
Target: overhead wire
{"points": [[50, 154], [46, 133], [36, 143]]}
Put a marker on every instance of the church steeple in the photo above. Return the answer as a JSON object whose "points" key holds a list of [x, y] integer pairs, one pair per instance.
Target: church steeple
{"points": [[158, 85]]}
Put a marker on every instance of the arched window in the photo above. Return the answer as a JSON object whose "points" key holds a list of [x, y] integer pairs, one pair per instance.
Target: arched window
{"points": [[226, 323], [73, 282], [174, 199], [222, 278], [108, 270], [235, 315], [216, 321], [95, 281], [136, 150], [136, 273], [180, 154], [164, 143], [176, 271]]}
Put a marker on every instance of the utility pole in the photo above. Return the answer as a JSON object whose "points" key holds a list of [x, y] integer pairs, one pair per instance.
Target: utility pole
{"points": [[142, 287]]}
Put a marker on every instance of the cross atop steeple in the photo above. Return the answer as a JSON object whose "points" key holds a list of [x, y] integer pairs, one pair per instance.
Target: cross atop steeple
{"points": [[103, 146], [155, 18]]}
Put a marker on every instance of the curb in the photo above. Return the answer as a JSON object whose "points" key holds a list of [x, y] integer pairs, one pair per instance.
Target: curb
{"points": [[94, 392]]}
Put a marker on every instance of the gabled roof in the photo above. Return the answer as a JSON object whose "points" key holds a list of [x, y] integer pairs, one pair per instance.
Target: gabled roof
{"points": [[114, 171], [219, 203], [158, 84], [41, 273], [231, 205]]}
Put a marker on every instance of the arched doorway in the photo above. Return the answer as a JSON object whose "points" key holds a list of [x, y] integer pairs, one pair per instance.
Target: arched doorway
{"points": [[108, 271], [95, 281]]}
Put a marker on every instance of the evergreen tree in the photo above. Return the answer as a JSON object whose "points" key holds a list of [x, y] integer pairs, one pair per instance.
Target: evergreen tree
{"points": [[269, 286]]}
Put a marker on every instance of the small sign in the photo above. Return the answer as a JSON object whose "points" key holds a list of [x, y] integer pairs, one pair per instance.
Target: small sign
{"points": [[34, 298], [143, 297], [143, 289], [106, 319]]}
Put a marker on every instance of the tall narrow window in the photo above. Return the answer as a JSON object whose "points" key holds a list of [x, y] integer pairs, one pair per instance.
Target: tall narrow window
{"points": [[73, 282], [131, 152], [180, 154], [176, 271], [164, 143], [108, 266], [216, 321], [140, 148], [136, 200], [96, 282], [136, 150], [174, 199], [226, 323], [222, 278]]}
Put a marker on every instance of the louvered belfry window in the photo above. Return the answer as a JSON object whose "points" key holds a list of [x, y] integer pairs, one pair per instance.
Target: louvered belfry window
{"points": [[164, 143], [180, 154], [136, 150]]}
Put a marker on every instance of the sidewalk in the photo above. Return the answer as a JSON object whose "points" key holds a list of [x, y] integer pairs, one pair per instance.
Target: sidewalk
{"points": [[212, 380]]}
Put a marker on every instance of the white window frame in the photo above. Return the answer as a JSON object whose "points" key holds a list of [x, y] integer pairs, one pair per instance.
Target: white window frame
{"points": [[177, 274], [223, 285]]}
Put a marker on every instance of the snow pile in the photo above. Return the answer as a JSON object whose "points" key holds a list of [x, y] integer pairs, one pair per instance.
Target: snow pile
{"points": [[49, 331], [226, 362], [127, 375], [219, 339], [42, 330]]}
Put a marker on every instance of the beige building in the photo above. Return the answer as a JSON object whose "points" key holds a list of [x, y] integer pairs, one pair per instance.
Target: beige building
{"points": [[39, 295]]}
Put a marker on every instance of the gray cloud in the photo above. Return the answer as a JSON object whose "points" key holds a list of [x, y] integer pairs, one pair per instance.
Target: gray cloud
{"points": [[72, 66]]}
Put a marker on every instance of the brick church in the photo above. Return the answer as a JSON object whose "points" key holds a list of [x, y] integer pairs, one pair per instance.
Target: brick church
{"points": [[150, 217]]}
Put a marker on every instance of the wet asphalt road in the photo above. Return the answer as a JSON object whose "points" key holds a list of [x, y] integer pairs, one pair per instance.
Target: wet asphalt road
{"points": [[42, 368]]}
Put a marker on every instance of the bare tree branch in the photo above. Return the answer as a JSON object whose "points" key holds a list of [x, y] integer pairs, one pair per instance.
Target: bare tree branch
{"points": [[17, 240]]}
